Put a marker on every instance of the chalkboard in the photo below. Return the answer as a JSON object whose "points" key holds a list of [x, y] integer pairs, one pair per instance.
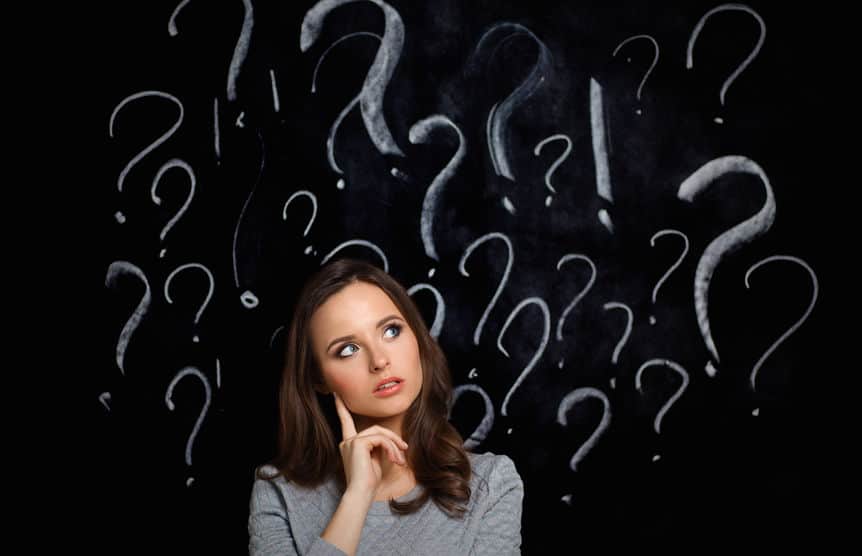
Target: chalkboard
{"points": [[604, 211]]}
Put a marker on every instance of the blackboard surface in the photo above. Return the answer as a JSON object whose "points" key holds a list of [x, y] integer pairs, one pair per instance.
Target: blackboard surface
{"points": [[610, 212]]}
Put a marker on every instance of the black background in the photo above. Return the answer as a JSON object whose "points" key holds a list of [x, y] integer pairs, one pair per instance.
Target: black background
{"points": [[724, 474]]}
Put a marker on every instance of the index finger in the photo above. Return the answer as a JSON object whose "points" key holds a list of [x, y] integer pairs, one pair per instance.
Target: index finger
{"points": [[348, 428]]}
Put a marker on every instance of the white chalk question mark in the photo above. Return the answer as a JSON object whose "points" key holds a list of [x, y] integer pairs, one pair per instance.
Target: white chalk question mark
{"points": [[568, 402], [206, 300], [538, 149], [728, 242], [654, 61], [173, 163], [485, 425], [546, 331], [115, 269], [564, 259], [689, 61], [664, 277], [462, 268], [311, 197], [194, 372]]}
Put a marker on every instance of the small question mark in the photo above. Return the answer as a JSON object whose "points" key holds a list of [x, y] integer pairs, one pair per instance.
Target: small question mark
{"points": [[676, 367], [380, 72], [798, 323], [440, 312], [311, 197], [194, 372], [462, 268], [420, 133], [689, 62], [330, 141], [173, 163], [240, 51], [564, 259], [546, 331], [568, 402], [728, 242], [206, 301], [655, 236], [626, 332], [485, 425], [498, 116], [654, 61], [601, 143], [120, 217], [115, 269], [553, 168]]}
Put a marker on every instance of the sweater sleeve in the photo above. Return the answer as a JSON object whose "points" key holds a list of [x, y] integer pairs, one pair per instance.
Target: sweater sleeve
{"points": [[500, 532], [269, 531]]}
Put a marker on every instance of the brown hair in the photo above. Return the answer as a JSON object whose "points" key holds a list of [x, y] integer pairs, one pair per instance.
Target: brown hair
{"points": [[307, 449]]}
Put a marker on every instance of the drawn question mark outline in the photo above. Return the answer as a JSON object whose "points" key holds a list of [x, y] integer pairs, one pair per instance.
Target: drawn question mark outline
{"points": [[617, 305], [311, 197], [362, 242], [568, 402], [381, 70], [564, 259], [240, 50], [440, 310], [173, 163], [546, 332], [538, 149], [115, 269], [799, 322], [247, 298], [137, 158], [662, 233], [420, 132], [654, 61], [689, 60], [209, 295], [499, 114], [462, 268], [730, 240], [333, 130], [485, 425], [667, 405], [191, 372]]}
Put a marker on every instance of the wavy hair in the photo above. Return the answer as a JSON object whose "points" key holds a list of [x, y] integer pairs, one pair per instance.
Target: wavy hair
{"points": [[307, 446]]}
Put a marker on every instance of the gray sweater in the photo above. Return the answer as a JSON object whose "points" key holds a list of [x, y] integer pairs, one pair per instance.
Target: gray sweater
{"points": [[287, 519]]}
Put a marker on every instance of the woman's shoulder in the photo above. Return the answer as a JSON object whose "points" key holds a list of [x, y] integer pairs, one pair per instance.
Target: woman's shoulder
{"points": [[493, 468]]}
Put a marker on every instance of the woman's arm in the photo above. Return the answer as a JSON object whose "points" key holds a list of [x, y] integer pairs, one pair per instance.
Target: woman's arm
{"points": [[500, 533]]}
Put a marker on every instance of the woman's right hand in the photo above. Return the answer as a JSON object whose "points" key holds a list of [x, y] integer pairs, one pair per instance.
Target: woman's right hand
{"points": [[361, 453]]}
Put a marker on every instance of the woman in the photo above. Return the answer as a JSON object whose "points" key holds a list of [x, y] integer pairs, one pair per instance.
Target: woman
{"points": [[358, 457]]}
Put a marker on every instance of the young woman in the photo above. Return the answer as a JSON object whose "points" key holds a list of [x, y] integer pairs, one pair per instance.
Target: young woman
{"points": [[364, 441]]}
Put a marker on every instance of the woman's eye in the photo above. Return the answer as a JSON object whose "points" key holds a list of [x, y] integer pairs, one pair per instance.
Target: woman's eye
{"points": [[396, 327]]}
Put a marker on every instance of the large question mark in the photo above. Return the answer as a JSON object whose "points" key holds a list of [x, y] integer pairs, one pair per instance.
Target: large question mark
{"points": [[462, 268], [498, 117], [568, 402], [240, 51], [729, 241], [485, 425], [689, 62], [115, 269], [662, 233], [364, 243], [173, 163], [601, 143], [206, 300], [557, 162], [380, 72], [194, 372], [440, 311], [654, 61], [420, 133], [311, 197], [799, 322], [120, 217], [330, 141], [564, 259], [676, 367], [546, 331]]}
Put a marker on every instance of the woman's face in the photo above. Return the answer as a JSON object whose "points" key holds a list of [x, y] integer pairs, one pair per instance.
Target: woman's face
{"points": [[359, 338]]}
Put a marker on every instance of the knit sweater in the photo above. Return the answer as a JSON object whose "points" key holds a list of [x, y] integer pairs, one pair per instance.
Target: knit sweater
{"points": [[285, 518]]}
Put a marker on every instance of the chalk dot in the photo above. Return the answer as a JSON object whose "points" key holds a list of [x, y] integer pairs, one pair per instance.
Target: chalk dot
{"points": [[638, 111], [196, 339], [509, 431], [651, 319], [507, 204], [718, 120], [560, 364], [756, 411], [656, 457], [548, 200], [308, 250], [613, 382], [710, 370], [120, 217], [162, 253], [473, 373], [605, 219], [189, 481], [249, 300], [431, 272], [340, 183]]}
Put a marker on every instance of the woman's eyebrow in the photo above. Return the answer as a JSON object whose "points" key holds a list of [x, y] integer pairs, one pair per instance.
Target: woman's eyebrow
{"points": [[380, 323]]}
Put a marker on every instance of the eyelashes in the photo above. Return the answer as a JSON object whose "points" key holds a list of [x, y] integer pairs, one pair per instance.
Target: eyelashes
{"points": [[397, 328]]}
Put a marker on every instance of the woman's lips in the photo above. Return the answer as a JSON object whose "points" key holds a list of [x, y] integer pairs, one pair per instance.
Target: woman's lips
{"points": [[389, 391]]}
